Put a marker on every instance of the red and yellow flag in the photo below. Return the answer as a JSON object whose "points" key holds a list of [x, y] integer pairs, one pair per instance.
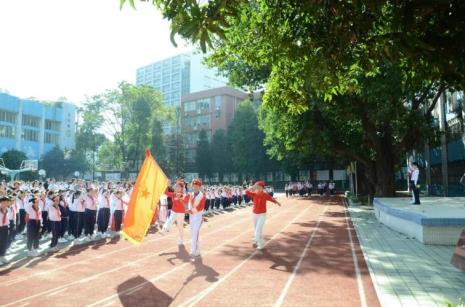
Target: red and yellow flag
{"points": [[151, 183]]}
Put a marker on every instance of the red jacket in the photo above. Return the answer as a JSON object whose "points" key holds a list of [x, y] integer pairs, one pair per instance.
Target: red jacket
{"points": [[259, 201], [179, 201]]}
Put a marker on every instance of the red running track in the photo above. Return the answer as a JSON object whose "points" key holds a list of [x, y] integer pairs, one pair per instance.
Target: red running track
{"points": [[312, 258]]}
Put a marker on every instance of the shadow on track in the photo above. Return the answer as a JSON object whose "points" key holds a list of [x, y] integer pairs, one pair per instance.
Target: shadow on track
{"points": [[149, 295]]}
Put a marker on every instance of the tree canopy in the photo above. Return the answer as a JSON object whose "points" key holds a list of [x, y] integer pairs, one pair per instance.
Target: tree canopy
{"points": [[355, 80]]}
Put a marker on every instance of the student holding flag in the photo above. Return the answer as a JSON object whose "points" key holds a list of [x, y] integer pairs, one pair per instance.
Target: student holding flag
{"points": [[178, 211], [196, 206]]}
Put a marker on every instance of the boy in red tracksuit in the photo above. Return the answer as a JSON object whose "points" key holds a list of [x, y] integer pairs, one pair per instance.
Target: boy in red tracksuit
{"points": [[259, 198]]}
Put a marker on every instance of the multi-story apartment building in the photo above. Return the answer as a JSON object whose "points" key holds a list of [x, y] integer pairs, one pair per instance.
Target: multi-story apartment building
{"points": [[36, 127], [209, 110], [177, 76]]}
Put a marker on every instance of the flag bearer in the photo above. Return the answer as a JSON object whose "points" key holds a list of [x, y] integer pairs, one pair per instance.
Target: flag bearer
{"points": [[178, 211], [196, 206], [259, 198], [4, 203], [33, 227]]}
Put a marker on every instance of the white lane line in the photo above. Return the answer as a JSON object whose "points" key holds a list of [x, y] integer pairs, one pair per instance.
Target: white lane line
{"points": [[158, 277], [289, 282], [195, 299], [21, 279], [361, 288], [102, 273], [56, 292]]}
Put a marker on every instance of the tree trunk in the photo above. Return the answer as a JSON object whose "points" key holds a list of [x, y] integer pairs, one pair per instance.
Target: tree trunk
{"points": [[385, 185]]}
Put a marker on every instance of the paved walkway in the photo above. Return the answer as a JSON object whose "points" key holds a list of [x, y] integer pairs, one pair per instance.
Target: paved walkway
{"points": [[404, 271]]}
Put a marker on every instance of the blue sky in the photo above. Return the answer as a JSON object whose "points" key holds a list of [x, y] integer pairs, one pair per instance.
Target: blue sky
{"points": [[71, 48]]}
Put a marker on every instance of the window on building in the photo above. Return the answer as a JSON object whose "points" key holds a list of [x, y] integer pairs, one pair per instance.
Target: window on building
{"points": [[190, 155], [203, 104], [31, 121], [218, 103], [7, 131], [8, 117], [52, 138], [189, 106], [52, 125], [30, 135]]}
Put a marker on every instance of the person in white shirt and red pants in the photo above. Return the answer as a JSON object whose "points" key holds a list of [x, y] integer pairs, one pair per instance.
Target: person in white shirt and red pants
{"points": [[196, 206]]}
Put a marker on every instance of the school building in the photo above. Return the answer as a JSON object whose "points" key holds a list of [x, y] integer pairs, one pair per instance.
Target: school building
{"points": [[36, 127], [208, 110]]}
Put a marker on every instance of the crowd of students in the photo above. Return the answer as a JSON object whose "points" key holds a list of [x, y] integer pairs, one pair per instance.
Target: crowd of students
{"points": [[81, 211], [306, 188]]}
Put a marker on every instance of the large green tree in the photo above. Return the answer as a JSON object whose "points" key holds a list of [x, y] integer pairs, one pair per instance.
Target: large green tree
{"points": [[53, 162], [351, 80], [221, 154], [88, 137], [203, 155], [132, 116], [13, 158], [246, 141]]}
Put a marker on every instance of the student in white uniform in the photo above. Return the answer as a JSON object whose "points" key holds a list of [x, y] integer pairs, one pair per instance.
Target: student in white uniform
{"points": [[54, 216], [12, 223], [72, 206], [118, 210], [4, 203], [196, 206], [21, 211], [103, 213], [414, 183], [78, 200], [33, 227], [90, 214]]}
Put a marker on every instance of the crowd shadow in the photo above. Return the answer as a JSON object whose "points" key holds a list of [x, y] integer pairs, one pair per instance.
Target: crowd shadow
{"points": [[181, 254], [148, 295]]}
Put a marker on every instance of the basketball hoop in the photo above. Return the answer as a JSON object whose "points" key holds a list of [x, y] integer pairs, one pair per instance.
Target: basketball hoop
{"points": [[32, 165]]}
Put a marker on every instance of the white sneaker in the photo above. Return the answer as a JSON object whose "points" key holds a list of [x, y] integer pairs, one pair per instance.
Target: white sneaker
{"points": [[162, 232], [35, 253], [62, 240], [71, 238], [260, 247], [30, 254], [180, 242]]}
